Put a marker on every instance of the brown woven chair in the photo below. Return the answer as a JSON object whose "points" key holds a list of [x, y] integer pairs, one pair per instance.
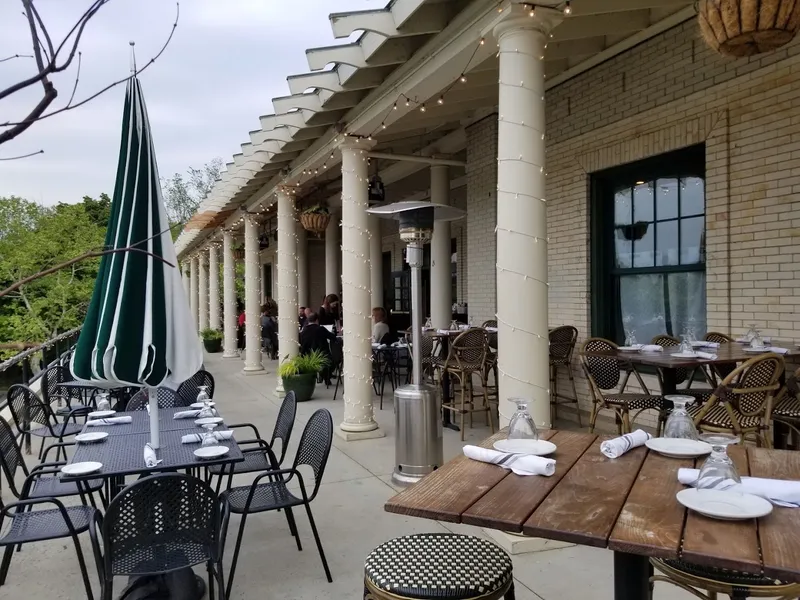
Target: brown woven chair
{"points": [[604, 374], [426, 352], [721, 371], [787, 407], [681, 374], [467, 357], [491, 358], [742, 404], [562, 345]]}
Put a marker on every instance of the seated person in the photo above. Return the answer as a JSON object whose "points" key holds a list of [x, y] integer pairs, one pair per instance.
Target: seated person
{"points": [[316, 337], [269, 332], [380, 327], [301, 317]]}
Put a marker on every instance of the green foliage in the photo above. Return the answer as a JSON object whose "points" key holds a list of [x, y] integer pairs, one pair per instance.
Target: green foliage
{"points": [[304, 364], [34, 238], [211, 334], [184, 193], [317, 209]]}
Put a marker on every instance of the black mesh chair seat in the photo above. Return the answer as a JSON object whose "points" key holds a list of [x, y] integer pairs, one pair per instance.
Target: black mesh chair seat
{"points": [[438, 565], [54, 487], [159, 558], [253, 461], [60, 429], [39, 525], [736, 578], [788, 408], [634, 401], [267, 496], [718, 416]]}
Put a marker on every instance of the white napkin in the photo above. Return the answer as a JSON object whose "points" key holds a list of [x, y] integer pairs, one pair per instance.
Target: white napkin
{"points": [[780, 492], [108, 421], [194, 438], [190, 414], [777, 350], [706, 355], [443, 331], [618, 446], [491, 329], [521, 464], [652, 348], [150, 456]]}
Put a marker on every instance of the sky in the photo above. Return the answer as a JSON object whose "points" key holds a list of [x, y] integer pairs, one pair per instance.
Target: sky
{"points": [[225, 63]]}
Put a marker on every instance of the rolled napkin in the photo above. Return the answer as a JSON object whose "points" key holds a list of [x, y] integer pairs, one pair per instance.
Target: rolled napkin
{"points": [[706, 355], [777, 350], [150, 457], [491, 329], [190, 414], [108, 421], [652, 348], [618, 446], [780, 492], [521, 464], [710, 345], [194, 438], [443, 331]]}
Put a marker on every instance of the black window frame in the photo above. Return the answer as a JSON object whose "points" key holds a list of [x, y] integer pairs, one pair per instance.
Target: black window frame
{"points": [[606, 320]]}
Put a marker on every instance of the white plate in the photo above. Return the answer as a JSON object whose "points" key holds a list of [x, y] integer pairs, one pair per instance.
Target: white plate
{"points": [[534, 447], [101, 414], [678, 448], [685, 355], [81, 468], [722, 504], [629, 348], [208, 421], [92, 436], [200, 404], [211, 452]]}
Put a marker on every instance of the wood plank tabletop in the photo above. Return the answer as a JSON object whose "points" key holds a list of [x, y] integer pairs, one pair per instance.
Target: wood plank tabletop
{"points": [[626, 504]]}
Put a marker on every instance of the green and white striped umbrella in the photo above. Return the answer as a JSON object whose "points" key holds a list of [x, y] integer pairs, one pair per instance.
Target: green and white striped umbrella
{"points": [[138, 330]]}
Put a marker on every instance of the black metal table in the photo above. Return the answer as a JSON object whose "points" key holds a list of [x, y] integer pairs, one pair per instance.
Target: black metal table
{"points": [[141, 423]]}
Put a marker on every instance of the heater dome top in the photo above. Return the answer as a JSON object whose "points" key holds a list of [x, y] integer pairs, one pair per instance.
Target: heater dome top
{"points": [[441, 212]]}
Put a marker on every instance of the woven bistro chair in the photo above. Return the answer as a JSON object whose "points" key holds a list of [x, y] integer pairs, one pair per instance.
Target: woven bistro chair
{"points": [[719, 371], [467, 357], [742, 403], [608, 392], [189, 389], [491, 358], [562, 345], [426, 344], [707, 582], [787, 406], [166, 398]]}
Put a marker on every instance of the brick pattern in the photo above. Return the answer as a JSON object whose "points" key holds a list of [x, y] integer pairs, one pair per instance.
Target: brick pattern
{"points": [[316, 272]]}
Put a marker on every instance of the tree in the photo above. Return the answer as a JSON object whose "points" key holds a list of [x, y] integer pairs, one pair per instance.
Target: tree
{"points": [[183, 194]]}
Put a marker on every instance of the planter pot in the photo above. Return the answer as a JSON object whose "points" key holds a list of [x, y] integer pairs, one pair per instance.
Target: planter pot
{"points": [[238, 253], [213, 345], [315, 222], [747, 27], [302, 385]]}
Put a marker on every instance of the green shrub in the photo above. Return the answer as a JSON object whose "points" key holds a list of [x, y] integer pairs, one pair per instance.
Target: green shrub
{"points": [[304, 364], [317, 209], [211, 334]]}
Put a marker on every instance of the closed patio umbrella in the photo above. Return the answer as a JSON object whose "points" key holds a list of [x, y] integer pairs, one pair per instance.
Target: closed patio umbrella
{"points": [[138, 330]]}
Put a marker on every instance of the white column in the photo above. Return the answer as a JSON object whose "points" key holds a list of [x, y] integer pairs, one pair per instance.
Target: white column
{"points": [[187, 285], [441, 288], [302, 265], [376, 261], [359, 421], [333, 281], [229, 315], [213, 287], [252, 298], [287, 277], [522, 310], [202, 300], [193, 268]]}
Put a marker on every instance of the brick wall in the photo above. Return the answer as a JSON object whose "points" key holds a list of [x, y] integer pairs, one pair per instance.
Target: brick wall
{"points": [[316, 272]]}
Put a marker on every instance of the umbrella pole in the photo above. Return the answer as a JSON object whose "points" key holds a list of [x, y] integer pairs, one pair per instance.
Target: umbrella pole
{"points": [[153, 400]]}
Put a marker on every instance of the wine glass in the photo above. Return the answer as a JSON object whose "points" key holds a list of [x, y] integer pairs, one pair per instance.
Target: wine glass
{"points": [[428, 324], [209, 439], [102, 402], [630, 339], [756, 341], [202, 395], [686, 345], [718, 472], [453, 325], [521, 426], [679, 424], [751, 333]]}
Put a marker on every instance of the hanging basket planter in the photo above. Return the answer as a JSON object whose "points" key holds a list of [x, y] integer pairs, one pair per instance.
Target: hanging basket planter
{"points": [[238, 253], [747, 27], [315, 220]]}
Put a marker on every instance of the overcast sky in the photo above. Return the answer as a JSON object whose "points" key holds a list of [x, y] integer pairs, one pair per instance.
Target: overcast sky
{"points": [[226, 62]]}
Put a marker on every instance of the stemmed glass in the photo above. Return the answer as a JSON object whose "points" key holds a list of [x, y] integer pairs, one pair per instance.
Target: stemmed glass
{"points": [[755, 340], [679, 424], [751, 333], [718, 472], [102, 402], [630, 339], [453, 325], [686, 345], [522, 426], [428, 324], [209, 439], [203, 397]]}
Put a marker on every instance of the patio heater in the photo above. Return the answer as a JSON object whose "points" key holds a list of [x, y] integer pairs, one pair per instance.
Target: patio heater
{"points": [[417, 407]]}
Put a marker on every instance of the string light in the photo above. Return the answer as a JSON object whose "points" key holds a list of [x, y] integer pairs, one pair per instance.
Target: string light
{"points": [[567, 8]]}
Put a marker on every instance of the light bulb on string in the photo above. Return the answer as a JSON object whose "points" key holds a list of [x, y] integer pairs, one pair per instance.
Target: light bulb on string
{"points": [[567, 9]]}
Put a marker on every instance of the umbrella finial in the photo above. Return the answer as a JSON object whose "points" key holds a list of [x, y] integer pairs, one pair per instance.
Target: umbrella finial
{"points": [[133, 57]]}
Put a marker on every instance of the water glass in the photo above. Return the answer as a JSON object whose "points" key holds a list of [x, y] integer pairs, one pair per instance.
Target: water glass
{"points": [[686, 345], [751, 333], [679, 424], [630, 338], [202, 395], [756, 341], [428, 323], [718, 472], [453, 325], [102, 401], [522, 426], [209, 439]]}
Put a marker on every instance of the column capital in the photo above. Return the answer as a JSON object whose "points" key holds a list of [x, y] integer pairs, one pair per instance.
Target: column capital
{"points": [[516, 16], [352, 142]]}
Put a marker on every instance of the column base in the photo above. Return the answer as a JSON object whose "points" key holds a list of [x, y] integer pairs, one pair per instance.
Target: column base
{"points": [[254, 371], [515, 543], [231, 354], [279, 391], [363, 432]]}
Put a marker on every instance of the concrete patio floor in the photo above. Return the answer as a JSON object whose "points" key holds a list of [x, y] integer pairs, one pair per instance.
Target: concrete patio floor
{"points": [[349, 514]]}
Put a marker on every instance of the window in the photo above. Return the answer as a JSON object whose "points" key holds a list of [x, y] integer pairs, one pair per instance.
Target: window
{"points": [[648, 247]]}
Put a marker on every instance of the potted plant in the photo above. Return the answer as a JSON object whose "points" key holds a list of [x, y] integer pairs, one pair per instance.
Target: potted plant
{"points": [[315, 219], [299, 374], [238, 253], [212, 339]]}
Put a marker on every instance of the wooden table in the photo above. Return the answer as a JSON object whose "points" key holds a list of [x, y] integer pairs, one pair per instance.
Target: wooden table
{"points": [[627, 505]]}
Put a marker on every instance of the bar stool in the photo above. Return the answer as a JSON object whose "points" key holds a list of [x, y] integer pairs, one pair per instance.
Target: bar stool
{"points": [[438, 565]]}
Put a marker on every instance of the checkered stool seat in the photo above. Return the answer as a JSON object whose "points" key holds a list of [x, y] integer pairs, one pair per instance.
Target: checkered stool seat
{"points": [[438, 565]]}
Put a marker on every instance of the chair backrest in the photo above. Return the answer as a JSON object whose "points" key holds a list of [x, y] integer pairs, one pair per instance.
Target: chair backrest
{"points": [[670, 341], [602, 371], [315, 446], [469, 348], [491, 335], [139, 400], [562, 343], [167, 398], [50, 380], [425, 345], [284, 424], [11, 459], [26, 408], [719, 338], [752, 385], [161, 523], [189, 389]]}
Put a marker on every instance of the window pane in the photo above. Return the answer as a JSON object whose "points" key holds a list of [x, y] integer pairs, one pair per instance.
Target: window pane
{"points": [[693, 200], [644, 238], [667, 243], [643, 202], [623, 217], [666, 199], [623, 208], [623, 249], [687, 302], [692, 241], [642, 305]]}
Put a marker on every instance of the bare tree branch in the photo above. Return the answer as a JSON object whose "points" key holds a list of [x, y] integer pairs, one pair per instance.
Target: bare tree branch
{"points": [[47, 38], [13, 56], [23, 155], [77, 79]]}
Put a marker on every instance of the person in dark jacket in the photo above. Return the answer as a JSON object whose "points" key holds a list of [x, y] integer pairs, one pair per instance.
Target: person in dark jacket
{"points": [[316, 337]]}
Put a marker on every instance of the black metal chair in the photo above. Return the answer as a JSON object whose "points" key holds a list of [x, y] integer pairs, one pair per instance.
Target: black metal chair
{"points": [[51, 392], [167, 398], [189, 389], [562, 345], [27, 410], [261, 456], [313, 451], [160, 524]]}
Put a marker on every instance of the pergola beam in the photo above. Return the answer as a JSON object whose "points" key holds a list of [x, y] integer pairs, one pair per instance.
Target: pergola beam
{"points": [[425, 160]]}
